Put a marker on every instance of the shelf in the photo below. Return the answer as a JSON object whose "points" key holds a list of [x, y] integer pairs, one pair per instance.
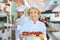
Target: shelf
{"points": [[49, 12], [54, 21], [4, 27], [2, 15], [56, 34], [5, 24]]}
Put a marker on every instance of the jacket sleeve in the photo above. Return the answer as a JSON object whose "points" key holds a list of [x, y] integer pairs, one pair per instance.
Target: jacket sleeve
{"points": [[44, 30], [20, 29]]}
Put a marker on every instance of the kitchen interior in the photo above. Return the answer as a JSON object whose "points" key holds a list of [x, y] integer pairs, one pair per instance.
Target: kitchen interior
{"points": [[50, 16]]}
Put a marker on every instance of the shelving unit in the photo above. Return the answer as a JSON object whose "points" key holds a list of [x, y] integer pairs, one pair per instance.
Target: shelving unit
{"points": [[54, 25], [5, 28]]}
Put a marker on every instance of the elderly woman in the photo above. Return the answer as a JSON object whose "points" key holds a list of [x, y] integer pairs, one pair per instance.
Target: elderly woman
{"points": [[34, 29]]}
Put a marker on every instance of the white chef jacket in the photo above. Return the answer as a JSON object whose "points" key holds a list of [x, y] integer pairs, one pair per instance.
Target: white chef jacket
{"points": [[22, 20], [31, 27]]}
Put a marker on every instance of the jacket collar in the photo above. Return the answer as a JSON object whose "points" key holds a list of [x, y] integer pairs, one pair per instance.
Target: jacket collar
{"points": [[33, 21]]}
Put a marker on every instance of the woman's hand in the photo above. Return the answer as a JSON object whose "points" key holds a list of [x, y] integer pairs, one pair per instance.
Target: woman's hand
{"points": [[21, 37], [42, 36]]}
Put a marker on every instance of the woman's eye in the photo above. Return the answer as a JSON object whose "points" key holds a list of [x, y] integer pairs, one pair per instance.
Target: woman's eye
{"points": [[31, 12]]}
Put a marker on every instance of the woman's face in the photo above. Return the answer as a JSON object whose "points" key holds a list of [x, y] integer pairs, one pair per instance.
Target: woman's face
{"points": [[33, 14]]}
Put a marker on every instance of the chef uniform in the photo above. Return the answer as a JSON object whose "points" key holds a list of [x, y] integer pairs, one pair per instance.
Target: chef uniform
{"points": [[31, 27], [22, 20]]}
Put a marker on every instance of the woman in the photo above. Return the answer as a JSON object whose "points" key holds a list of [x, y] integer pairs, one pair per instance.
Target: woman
{"points": [[32, 29]]}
